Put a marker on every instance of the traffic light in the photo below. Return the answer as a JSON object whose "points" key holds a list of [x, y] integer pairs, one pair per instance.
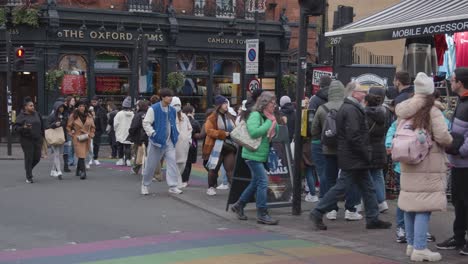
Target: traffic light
{"points": [[313, 7], [19, 58]]}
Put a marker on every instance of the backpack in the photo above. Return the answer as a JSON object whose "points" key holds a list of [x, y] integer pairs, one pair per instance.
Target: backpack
{"points": [[410, 146], [329, 134]]}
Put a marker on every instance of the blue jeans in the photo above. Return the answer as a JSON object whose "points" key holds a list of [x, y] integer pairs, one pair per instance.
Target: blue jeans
{"points": [[258, 185], [362, 179], [224, 175], [353, 197], [319, 161], [417, 225], [310, 180], [400, 215], [379, 184]]}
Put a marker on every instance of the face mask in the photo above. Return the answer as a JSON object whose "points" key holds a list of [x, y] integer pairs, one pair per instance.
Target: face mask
{"points": [[177, 108]]}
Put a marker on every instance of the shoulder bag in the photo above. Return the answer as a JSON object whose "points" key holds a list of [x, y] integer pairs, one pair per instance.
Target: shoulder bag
{"points": [[241, 136], [55, 136]]}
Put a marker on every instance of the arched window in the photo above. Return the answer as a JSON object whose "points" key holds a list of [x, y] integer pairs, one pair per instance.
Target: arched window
{"points": [[189, 62], [74, 79], [111, 60]]}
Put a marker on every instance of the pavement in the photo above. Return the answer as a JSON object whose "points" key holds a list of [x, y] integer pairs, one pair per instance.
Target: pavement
{"points": [[104, 220]]}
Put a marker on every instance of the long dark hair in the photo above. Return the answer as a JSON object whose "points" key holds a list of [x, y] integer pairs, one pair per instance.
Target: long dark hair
{"points": [[422, 119]]}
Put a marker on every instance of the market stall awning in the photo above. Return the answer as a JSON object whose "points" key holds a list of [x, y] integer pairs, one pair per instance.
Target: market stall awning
{"points": [[409, 18]]}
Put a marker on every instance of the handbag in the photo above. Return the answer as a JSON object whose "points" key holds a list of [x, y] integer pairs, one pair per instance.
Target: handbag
{"points": [[241, 136], [83, 137], [54, 136]]}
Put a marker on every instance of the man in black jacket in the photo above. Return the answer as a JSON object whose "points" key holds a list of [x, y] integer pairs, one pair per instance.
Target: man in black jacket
{"points": [[353, 160], [100, 121], [402, 82]]}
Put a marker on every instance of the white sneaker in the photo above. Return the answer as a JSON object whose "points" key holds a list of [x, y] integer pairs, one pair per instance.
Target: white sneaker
{"points": [[352, 216], [425, 255], [97, 163], [383, 206], [120, 162], [144, 190], [409, 250], [175, 190], [129, 163], [359, 207], [332, 215], [311, 198], [53, 173], [90, 162], [88, 167], [223, 186], [211, 191], [183, 185]]}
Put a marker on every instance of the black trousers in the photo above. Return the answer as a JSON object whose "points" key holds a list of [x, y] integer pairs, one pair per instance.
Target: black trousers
{"points": [[32, 154], [96, 145], [460, 202], [187, 171], [125, 151], [113, 144]]}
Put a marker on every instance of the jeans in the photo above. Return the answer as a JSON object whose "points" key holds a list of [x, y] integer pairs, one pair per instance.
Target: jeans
{"points": [[258, 185], [224, 175], [353, 197], [310, 180], [153, 160], [319, 161], [417, 225], [363, 181], [379, 184], [400, 215]]}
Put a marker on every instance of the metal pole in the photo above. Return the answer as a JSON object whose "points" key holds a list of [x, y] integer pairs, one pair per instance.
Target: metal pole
{"points": [[8, 83], [301, 70]]}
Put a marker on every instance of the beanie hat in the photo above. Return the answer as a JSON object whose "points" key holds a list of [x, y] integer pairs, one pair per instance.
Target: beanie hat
{"points": [[325, 81], [377, 91], [423, 84], [96, 98], [219, 100], [127, 102], [176, 101], [284, 100]]}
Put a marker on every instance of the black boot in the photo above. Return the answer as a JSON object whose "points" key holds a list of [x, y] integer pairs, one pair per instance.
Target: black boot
{"points": [[264, 218], [65, 163], [238, 208], [83, 169], [318, 222], [78, 168]]}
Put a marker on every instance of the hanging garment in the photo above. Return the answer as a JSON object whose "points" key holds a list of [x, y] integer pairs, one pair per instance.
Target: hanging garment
{"points": [[449, 58], [441, 48], [461, 47], [420, 56]]}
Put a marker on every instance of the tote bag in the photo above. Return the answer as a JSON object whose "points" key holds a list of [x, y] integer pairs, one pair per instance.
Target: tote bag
{"points": [[55, 136], [241, 136]]}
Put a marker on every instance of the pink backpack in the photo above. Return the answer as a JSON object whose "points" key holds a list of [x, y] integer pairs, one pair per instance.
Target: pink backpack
{"points": [[410, 145]]}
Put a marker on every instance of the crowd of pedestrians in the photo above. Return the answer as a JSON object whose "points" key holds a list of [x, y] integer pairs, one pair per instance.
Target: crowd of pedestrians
{"points": [[353, 133]]}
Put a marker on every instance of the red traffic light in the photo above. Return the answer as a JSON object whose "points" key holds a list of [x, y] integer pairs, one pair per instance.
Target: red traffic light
{"points": [[19, 52]]}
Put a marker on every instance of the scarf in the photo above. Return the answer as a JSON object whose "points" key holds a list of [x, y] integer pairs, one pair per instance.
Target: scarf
{"points": [[225, 123]]}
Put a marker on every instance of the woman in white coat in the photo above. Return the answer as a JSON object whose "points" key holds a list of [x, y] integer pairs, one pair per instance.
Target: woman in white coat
{"points": [[185, 138]]}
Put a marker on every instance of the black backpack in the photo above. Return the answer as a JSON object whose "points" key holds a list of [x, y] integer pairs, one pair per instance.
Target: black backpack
{"points": [[329, 134]]}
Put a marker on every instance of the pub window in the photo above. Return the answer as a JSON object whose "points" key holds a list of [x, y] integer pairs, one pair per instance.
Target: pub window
{"points": [[194, 92], [188, 62], [225, 8], [111, 60], [269, 64], [151, 83], [74, 79], [224, 84]]}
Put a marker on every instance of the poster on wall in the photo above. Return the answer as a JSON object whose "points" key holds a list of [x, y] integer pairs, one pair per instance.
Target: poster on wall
{"points": [[317, 73], [73, 84], [280, 186], [111, 85]]}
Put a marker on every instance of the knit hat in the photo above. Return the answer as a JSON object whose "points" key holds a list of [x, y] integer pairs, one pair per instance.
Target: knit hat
{"points": [[325, 81], [219, 100], [284, 100], [127, 102], [380, 91], [423, 84], [176, 101]]}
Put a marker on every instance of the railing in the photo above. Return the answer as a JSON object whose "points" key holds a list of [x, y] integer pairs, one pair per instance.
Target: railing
{"points": [[226, 11], [139, 6], [14, 2], [362, 56], [199, 9]]}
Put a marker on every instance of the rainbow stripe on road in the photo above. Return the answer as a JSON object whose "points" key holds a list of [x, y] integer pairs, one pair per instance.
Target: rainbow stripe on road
{"points": [[212, 247]]}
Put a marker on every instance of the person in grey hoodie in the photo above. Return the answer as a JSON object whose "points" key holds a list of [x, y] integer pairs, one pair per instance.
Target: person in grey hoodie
{"points": [[336, 95]]}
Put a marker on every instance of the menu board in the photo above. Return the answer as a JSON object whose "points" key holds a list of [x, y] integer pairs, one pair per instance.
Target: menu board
{"points": [[73, 84], [110, 84]]}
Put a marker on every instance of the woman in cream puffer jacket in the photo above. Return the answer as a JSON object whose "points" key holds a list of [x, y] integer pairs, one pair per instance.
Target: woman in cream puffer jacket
{"points": [[423, 185]]}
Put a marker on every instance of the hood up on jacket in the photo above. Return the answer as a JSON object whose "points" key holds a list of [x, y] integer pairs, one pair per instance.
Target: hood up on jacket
{"points": [[323, 93], [288, 108], [336, 92], [376, 113]]}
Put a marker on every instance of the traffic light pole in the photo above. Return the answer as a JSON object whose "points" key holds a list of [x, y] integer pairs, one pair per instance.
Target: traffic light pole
{"points": [[8, 84], [300, 84]]}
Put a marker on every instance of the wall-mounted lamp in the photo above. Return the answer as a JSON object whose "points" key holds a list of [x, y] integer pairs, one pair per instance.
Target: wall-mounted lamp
{"points": [[239, 33], [120, 28], [83, 27], [158, 30], [221, 33], [140, 29], [102, 28]]}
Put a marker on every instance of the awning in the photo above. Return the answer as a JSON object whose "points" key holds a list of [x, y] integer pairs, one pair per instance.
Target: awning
{"points": [[409, 18]]}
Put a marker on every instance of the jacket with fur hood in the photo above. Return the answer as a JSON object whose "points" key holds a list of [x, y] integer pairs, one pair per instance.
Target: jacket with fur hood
{"points": [[423, 185]]}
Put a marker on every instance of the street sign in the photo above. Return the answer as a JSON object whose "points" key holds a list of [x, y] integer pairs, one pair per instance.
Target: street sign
{"points": [[251, 56], [256, 6], [253, 85]]}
